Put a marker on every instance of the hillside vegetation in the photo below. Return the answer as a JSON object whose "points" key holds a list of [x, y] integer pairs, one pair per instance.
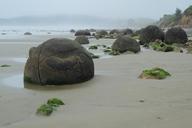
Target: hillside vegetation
{"points": [[182, 19]]}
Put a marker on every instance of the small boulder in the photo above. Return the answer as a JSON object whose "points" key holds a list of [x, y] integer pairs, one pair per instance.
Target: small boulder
{"points": [[83, 33], [28, 33], [176, 35], [101, 33], [72, 31], [126, 31], [82, 39], [126, 43], [114, 31], [58, 62]]}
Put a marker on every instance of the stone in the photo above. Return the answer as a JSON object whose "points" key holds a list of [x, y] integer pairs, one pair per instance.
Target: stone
{"points": [[57, 62], [150, 34], [82, 39], [126, 43], [176, 35]]}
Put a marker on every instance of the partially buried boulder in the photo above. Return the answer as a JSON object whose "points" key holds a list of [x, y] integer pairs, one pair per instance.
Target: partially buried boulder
{"points": [[176, 35], [57, 62], [126, 43], [83, 33], [82, 39], [150, 34]]}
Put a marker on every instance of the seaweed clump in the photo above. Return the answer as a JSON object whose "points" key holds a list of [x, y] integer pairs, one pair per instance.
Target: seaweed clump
{"points": [[154, 73], [112, 52], [47, 109], [160, 46]]}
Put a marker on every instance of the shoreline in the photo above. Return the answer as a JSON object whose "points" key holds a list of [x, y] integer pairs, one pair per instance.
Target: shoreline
{"points": [[110, 100]]}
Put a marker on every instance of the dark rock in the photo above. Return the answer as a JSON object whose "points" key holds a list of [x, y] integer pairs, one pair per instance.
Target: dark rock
{"points": [[28, 33], [176, 35], [126, 43], [82, 39], [83, 33], [126, 31], [150, 34], [58, 61], [72, 31], [114, 31], [101, 33], [92, 30]]}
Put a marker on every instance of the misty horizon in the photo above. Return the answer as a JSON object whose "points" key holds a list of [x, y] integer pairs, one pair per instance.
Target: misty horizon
{"points": [[108, 9]]}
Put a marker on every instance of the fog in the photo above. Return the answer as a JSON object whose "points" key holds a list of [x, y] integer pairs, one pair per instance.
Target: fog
{"points": [[116, 9]]}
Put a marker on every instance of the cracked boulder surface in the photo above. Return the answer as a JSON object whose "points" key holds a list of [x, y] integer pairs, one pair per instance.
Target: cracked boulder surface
{"points": [[58, 62]]}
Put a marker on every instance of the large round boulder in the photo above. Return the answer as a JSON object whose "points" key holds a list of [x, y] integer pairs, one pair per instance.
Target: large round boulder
{"points": [[82, 33], [176, 35], [150, 34], [82, 39], [126, 43], [57, 62]]}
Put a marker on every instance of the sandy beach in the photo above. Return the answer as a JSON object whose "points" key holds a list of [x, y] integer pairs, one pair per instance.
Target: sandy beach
{"points": [[114, 98]]}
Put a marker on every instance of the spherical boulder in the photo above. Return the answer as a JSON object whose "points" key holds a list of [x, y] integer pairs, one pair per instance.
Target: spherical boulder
{"points": [[126, 31], [126, 43], [82, 33], [150, 34], [114, 31], [72, 31], [176, 35], [58, 62], [82, 39], [101, 33]]}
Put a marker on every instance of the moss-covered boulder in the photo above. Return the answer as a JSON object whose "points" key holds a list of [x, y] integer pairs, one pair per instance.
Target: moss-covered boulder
{"points": [[176, 35], [82, 33], [150, 34], [154, 73], [82, 39], [57, 62], [126, 43]]}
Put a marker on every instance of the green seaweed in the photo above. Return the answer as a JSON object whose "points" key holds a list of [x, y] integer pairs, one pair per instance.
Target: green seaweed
{"points": [[5, 65], [27, 79], [95, 56], [45, 110], [55, 102], [163, 47], [155, 73], [114, 53], [93, 47], [136, 37], [52, 105], [160, 46]]}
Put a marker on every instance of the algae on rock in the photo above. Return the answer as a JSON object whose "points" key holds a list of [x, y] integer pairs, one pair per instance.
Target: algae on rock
{"points": [[154, 73]]}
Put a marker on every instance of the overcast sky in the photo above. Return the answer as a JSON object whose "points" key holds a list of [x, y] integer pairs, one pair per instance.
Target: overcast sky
{"points": [[123, 9]]}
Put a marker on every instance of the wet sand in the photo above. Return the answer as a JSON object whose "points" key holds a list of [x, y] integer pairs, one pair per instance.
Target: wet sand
{"points": [[114, 98]]}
